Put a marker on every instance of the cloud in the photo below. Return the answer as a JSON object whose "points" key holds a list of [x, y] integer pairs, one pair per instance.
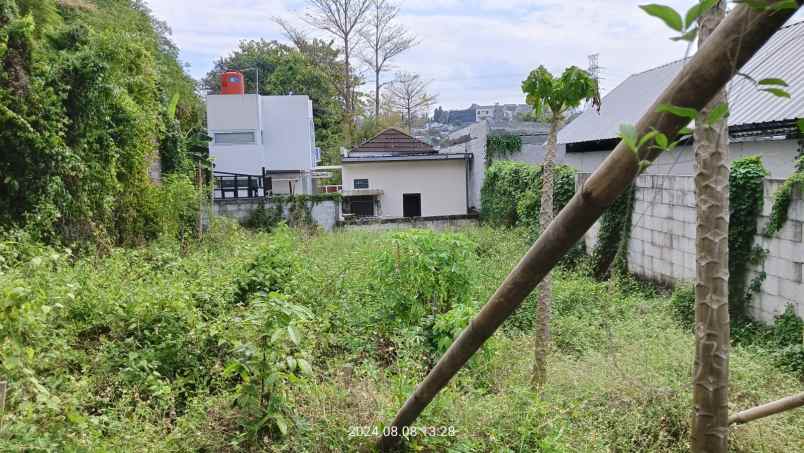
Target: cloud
{"points": [[472, 51]]}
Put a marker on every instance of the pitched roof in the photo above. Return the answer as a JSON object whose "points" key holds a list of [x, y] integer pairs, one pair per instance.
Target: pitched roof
{"points": [[782, 57], [393, 141]]}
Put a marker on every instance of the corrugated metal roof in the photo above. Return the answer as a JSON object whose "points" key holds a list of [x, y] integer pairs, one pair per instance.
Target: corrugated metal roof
{"points": [[782, 57]]}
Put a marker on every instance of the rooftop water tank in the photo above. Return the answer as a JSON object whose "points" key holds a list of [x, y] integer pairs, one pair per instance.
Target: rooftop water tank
{"points": [[232, 82]]}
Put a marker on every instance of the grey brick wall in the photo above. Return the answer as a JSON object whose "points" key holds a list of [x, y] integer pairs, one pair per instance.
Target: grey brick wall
{"points": [[662, 245]]}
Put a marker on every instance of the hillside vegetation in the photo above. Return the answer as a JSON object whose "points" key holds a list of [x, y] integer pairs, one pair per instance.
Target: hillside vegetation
{"points": [[291, 342], [91, 94]]}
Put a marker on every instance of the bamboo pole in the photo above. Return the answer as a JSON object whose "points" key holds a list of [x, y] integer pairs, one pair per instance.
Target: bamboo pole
{"points": [[734, 42], [768, 409]]}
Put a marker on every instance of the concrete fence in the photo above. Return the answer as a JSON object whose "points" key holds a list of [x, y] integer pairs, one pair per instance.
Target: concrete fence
{"points": [[324, 212], [662, 245]]}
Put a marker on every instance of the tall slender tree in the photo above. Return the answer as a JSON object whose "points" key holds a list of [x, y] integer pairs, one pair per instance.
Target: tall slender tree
{"points": [[710, 430], [344, 20], [385, 39], [408, 94], [551, 99]]}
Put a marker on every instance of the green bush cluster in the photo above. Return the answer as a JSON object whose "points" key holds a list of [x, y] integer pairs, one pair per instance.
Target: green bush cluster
{"points": [[511, 193]]}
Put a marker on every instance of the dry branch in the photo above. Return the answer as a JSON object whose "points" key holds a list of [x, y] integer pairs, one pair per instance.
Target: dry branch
{"points": [[768, 409], [734, 42]]}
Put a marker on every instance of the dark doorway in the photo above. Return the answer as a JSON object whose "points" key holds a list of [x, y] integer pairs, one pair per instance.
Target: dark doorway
{"points": [[412, 205], [362, 206]]}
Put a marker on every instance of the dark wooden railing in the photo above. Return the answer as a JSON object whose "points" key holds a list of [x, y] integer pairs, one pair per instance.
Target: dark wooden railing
{"points": [[239, 185]]}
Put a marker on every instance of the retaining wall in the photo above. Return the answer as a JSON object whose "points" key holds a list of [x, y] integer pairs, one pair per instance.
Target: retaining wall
{"points": [[325, 213], [662, 245]]}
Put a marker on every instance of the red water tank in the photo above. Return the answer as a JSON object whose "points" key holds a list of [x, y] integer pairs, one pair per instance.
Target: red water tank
{"points": [[232, 82]]}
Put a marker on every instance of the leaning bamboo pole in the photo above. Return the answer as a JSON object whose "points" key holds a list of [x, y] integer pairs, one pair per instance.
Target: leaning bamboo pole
{"points": [[768, 409], [734, 42]]}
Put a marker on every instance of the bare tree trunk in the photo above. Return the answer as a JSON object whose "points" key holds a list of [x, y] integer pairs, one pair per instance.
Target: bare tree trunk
{"points": [[347, 89], [376, 95], [542, 328], [710, 432], [737, 39]]}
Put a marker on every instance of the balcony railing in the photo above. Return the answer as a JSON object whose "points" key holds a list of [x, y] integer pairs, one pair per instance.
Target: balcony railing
{"points": [[238, 185]]}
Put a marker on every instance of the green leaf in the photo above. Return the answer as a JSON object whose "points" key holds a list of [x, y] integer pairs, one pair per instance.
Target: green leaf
{"points": [[800, 123], [685, 131], [305, 367], [646, 138], [778, 92], [773, 81], [661, 141], [281, 424], [666, 14], [294, 335], [628, 134], [683, 112], [688, 36], [291, 363], [698, 10], [718, 113]]}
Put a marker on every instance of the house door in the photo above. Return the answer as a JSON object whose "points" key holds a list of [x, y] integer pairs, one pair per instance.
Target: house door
{"points": [[412, 205]]}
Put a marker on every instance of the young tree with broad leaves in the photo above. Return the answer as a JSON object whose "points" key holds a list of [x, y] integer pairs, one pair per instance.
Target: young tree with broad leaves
{"points": [[385, 39], [551, 98], [408, 94], [344, 20]]}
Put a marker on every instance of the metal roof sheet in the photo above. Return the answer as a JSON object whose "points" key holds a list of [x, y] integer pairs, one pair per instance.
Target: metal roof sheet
{"points": [[782, 57]]}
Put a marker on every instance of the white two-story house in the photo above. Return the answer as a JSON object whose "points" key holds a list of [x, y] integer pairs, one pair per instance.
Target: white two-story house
{"points": [[262, 140]]}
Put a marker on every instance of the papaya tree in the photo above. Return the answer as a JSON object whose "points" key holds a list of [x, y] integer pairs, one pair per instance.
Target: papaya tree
{"points": [[711, 376], [551, 98]]}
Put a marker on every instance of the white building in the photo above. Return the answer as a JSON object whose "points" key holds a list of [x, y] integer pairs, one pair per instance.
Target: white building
{"points": [[251, 134], [395, 175]]}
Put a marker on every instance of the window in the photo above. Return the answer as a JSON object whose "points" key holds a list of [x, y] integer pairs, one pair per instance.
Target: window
{"points": [[234, 138], [361, 184]]}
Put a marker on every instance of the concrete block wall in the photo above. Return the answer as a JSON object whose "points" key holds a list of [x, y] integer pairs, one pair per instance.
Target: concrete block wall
{"points": [[662, 245], [325, 213]]}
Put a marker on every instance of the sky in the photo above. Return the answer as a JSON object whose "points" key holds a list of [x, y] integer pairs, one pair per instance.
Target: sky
{"points": [[475, 51]]}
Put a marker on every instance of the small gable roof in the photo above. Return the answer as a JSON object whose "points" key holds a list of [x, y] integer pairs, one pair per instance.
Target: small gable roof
{"points": [[782, 57], [393, 141]]}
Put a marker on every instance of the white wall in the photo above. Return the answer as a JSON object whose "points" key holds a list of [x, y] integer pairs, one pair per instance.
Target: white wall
{"points": [[777, 156], [662, 245], [288, 132], [441, 183], [478, 133], [284, 141]]}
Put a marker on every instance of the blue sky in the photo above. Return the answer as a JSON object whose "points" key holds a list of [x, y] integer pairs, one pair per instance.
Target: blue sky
{"points": [[471, 51]]}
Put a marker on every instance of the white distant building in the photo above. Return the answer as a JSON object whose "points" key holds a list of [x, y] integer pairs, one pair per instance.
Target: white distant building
{"points": [[394, 175], [253, 134]]}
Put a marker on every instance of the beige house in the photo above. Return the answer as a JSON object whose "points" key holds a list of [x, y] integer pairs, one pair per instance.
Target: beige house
{"points": [[394, 175]]}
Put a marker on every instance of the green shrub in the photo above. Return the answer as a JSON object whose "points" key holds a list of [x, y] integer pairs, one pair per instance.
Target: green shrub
{"points": [[511, 193], [682, 304], [272, 269]]}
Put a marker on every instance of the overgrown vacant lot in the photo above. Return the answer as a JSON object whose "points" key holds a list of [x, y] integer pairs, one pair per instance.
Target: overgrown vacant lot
{"points": [[292, 342]]}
